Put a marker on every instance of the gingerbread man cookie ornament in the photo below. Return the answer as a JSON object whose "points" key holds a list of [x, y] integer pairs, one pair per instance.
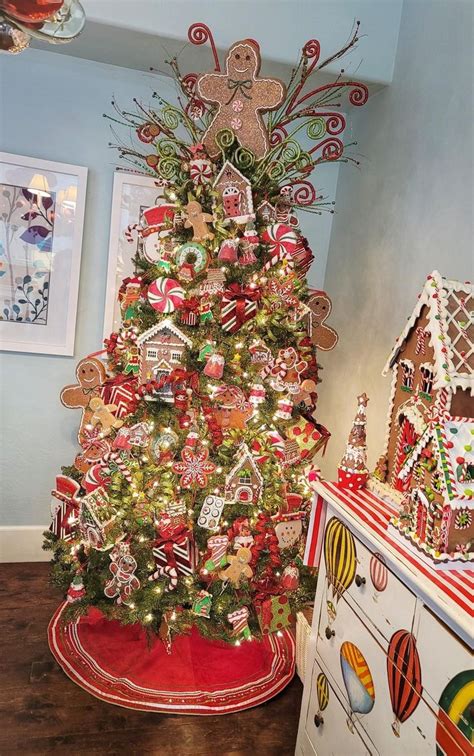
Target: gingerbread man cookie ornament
{"points": [[198, 220], [238, 567], [242, 96], [91, 374], [323, 336], [103, 414]]}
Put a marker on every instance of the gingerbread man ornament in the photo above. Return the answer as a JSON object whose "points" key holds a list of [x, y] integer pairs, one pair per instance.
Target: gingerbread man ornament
{"points": [[242, 96], [197, 219], [104, 415], [323, 336], [91, 374]]}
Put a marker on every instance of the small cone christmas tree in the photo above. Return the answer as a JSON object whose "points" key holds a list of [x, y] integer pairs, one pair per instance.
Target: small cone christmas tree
{"points": [[352, 471], [188, 502]]}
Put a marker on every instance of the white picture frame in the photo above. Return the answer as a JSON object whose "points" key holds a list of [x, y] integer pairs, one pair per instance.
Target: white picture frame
{"points": [[42, 207], [132, 194]]}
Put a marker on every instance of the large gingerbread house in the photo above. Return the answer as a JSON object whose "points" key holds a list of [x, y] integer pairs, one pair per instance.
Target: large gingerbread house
{"points": [[161, 351], [428, 462]]}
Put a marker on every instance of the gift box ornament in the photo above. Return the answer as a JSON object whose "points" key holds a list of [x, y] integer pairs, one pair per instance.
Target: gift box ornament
{"points": [[308, 437], [274, 614], [179, 552], [238, 305], [64, 507]]}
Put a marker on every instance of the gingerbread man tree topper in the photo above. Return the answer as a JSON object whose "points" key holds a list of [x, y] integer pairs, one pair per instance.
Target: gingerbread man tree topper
{"points": [[242, 96]]}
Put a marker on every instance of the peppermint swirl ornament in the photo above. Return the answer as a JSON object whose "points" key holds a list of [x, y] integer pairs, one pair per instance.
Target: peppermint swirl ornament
{"points": [[281, 239], [165, 294]]}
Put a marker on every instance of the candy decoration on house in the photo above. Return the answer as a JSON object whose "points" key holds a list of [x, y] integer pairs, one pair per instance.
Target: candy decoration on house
{"points": [[191, 495], [404, 677], [340, 556], [428, 461], [455, 724], [357, 681], [352, 471]]}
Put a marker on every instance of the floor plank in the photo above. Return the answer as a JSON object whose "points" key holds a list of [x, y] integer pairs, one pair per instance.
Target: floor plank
{"points": [[43, 712]]}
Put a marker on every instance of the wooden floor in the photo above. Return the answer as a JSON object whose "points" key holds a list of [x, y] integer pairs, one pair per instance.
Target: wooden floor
{"points": [[43, 712]]}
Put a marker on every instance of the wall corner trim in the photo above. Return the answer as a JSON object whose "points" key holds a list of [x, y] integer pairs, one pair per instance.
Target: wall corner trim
{"points": [[23, 543]]}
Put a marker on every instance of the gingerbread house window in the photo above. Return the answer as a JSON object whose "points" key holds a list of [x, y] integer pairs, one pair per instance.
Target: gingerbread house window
{"points": [[408, 374], [427, 375], [151, 354], [175, 356]]}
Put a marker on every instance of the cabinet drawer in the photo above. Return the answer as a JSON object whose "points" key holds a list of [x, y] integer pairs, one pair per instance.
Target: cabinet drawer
{"points": [[357, 662], [361, 577], [327, 718], [448, 680]]}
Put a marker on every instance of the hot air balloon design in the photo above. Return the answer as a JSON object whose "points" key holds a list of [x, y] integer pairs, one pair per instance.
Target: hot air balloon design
{"points": [[358, 681], [455, 727], [340, 557], [378, 574], [322, 690], [404, 677]]}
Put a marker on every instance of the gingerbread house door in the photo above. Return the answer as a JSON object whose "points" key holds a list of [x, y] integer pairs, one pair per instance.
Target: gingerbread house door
{"points": [[232, 199], [407, 438]]}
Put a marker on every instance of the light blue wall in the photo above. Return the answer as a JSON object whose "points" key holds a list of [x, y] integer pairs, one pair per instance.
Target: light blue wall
{"points": [[51, 107], [407, 212]]}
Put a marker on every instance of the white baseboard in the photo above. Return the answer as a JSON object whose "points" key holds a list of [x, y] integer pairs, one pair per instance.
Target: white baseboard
{"points": [[23, 543]]}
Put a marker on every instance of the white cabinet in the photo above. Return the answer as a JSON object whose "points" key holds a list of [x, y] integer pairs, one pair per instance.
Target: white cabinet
{"points": [[384, 675]]}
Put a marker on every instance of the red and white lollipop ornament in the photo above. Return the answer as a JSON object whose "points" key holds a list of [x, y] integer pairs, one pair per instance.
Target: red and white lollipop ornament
{"points": [[165, 294]]}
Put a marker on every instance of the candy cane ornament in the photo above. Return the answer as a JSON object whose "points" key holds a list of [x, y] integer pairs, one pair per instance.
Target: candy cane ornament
{"points": [[169, 572]]}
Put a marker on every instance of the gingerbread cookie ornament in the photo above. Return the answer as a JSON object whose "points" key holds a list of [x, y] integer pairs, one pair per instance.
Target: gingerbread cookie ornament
{"points": [[319, 308], [242, 96], [91, 374]]}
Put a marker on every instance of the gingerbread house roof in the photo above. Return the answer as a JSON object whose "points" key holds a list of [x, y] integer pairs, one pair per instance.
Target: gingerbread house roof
{"points": [[244, 457], [450, 305], [453, 440], [165, 324], [235, 171]]}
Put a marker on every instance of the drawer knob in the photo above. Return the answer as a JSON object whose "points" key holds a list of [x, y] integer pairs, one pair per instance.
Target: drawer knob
{"points": [[329, 633], [318, 720], [359, 580]]}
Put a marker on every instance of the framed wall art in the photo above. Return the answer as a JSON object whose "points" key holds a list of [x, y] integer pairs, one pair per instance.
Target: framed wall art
{"points": [[41, 221], [133, 194]]}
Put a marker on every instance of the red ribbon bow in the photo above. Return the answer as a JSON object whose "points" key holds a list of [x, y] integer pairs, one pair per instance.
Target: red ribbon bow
{"points": [[241, 295]]}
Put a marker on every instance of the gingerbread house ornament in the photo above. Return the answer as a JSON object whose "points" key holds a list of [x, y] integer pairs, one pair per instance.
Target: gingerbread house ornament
{"points": [[161, 351], [428, 464], [244, 483], [235, 194]]}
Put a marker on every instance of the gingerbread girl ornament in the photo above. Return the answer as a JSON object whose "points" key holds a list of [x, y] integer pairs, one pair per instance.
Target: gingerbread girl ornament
{"points": [[241, 96]]}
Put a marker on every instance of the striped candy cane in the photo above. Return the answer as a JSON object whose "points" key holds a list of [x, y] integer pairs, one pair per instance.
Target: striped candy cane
{"points": [[117, 459], [129, 232], [169, 572]]}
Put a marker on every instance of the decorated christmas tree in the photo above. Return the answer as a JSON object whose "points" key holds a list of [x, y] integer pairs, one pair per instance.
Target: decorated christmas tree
{"points": [[188, 502]]}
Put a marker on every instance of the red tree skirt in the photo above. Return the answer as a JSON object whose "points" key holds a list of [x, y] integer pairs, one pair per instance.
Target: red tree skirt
{"points": [[114, 662]]}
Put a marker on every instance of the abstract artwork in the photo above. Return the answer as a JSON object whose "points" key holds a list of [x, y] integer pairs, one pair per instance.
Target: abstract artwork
{"points": [[41, 221]]}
